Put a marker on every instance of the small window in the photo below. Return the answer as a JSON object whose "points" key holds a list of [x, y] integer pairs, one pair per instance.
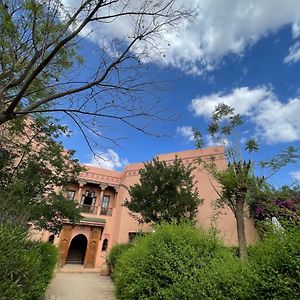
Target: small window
{"points": [[105, 245], [70, 194], [105, 205], [89, 198], [132, 235], [51, 239]]}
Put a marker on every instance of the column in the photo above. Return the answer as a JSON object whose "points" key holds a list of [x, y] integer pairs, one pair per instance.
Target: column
{"points": [[81, 185], [92, 247], [102, 188]]}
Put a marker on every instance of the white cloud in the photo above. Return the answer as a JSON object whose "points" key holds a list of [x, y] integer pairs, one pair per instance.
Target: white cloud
{"points": [[294, 54], [186, 132], [221, 27], [296, 30], [296, 175], [277, 121], [274, 121], [242, 99], [108, 160], [210, 142]]}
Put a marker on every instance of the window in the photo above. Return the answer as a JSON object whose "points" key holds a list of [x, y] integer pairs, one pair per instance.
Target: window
{"points": [[70, 194], [132, 236], [51, 239], [89, 198], [105, 205], [105, 245]]}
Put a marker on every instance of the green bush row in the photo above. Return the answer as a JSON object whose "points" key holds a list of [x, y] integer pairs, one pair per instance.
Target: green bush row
{"points": [[115, 253], [26, 267], [182, 262]]}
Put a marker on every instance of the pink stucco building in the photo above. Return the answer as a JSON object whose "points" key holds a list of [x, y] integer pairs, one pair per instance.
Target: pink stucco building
{"points": [[100, 194]]}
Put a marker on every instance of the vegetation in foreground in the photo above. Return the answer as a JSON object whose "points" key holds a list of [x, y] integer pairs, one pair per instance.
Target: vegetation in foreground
{"points": [[183, 262], [26, 267]]}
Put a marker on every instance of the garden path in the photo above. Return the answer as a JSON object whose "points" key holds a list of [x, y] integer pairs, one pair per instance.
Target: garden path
{"points": [[80, 286]]}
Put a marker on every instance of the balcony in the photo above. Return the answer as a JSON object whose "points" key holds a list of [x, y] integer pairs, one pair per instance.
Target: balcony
{"points": [[106, 211], [93, 210], [89, 209]]}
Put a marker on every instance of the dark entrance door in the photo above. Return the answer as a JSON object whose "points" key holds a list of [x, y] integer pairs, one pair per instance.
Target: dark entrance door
{"points": [[77, 250]]}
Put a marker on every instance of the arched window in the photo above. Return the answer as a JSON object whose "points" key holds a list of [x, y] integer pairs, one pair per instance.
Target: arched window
{"points": [[51, 238], [105, 245]]}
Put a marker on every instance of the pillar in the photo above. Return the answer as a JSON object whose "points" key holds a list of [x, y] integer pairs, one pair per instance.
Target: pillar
{"points": [[64, 243], [92, 247]]}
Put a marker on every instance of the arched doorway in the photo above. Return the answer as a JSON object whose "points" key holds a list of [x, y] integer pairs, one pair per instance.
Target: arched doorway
{"points": [[77, 250]]}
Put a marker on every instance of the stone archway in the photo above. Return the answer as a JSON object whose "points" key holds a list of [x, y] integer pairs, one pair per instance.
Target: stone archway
{"points": [[77, 250]]}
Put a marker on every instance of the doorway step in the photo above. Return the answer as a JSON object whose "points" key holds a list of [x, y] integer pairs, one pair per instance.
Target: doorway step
{"points": [[73, 268], [74, 257]]}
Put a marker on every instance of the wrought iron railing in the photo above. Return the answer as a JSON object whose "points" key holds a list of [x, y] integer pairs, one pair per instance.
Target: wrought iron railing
{"points": [[90, 209], [106, 211]]}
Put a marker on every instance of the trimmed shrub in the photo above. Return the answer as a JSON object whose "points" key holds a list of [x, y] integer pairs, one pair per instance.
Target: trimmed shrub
{"points": [[25, 267], [115, 253], [277, 262], [166, 264], [226, 278], [48, 255]]}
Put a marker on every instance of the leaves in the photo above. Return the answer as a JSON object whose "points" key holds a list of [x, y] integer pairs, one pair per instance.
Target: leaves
{"points": [[251, 145], [287, 156], [37, 166], [165, 193]]}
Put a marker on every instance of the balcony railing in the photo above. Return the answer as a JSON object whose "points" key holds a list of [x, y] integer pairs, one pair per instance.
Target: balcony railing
{"points": [[106, 211], [90, 209], [93, 209]]}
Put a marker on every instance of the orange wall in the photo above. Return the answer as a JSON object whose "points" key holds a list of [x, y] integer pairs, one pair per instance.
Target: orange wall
{"points": [[118, 225]]}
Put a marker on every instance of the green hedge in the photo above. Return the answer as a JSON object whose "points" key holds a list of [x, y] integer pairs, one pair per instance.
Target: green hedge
{"points": [[115, 253], [26, 268], [165, 264], [277, 263], [181, 262]]}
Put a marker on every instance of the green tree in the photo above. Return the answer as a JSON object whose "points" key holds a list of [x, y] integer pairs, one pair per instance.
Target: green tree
{"points": [[238, 181], [33, 174], [165, 193], [39, 60]]}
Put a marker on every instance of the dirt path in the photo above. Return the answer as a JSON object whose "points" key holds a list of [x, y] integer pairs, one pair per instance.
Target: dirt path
{"points": [[80, 286]]}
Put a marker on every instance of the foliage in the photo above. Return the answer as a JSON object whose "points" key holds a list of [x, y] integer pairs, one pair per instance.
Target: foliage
{"points": [[166, 263], [25, 267], [227, 278], [284, 204], [115, 253], [238, 181], [181, 262], [49, 257], [41, 69], [276, 260], [30, 178], [165, 193]]}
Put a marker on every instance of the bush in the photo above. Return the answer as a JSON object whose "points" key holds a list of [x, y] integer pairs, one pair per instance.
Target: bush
{"points": [[277, 262], [181, 262], [115, 253], [226, 278], [49, 255], [166, 264], [25, 267]]}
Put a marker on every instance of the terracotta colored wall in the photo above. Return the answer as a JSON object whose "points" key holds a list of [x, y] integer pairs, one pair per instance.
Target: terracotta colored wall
{"points": [[118, 225]]}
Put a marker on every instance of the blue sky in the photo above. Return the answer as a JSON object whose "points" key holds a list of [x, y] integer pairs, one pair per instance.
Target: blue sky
{"points": [[242, 53]]}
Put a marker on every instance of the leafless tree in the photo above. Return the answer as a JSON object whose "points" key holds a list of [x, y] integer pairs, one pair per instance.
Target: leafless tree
{"points": [[41, 71]]}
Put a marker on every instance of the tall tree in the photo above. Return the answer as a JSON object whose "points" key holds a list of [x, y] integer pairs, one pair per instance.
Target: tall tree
{"points": [[39, 59], [238, 181], [165, 193], [34, 169]]}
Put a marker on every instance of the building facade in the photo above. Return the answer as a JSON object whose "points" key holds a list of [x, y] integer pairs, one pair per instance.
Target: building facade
{"points": [[100, 194]]}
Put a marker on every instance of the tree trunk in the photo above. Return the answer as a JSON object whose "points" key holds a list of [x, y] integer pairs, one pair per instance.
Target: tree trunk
{"points": [[3, 118], [240, 224]]}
